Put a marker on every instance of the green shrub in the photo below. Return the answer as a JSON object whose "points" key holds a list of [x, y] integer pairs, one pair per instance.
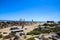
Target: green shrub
{"points": [[29, 33], [0, 35], [4, 32], [6, 37], [33, 33], [47, 30]]}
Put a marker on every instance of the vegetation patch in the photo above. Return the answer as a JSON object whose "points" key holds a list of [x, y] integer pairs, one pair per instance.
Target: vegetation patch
{"points": [[34, 32], [37, 31], [1, 36], [6, 37]]}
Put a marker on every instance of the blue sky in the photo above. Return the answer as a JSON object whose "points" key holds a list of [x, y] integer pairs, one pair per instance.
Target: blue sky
{"points": [[38, 10]]}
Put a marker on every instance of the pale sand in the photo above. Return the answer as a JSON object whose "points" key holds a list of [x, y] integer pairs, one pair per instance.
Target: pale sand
{"points": [[29, 28]]}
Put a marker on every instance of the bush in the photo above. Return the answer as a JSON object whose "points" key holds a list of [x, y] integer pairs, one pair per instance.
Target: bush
{"points": [[4, 32], [29, 33], [32, 38], [46, 31], [58, 33], [6, 37], [33, 33], [0, 35]]}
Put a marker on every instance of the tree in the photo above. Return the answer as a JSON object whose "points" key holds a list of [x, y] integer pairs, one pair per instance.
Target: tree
{"points": [[58, 22], [50, 21], [45, 24]]}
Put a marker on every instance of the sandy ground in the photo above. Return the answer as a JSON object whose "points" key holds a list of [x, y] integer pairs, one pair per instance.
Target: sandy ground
{"points": [[29, 28]]}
